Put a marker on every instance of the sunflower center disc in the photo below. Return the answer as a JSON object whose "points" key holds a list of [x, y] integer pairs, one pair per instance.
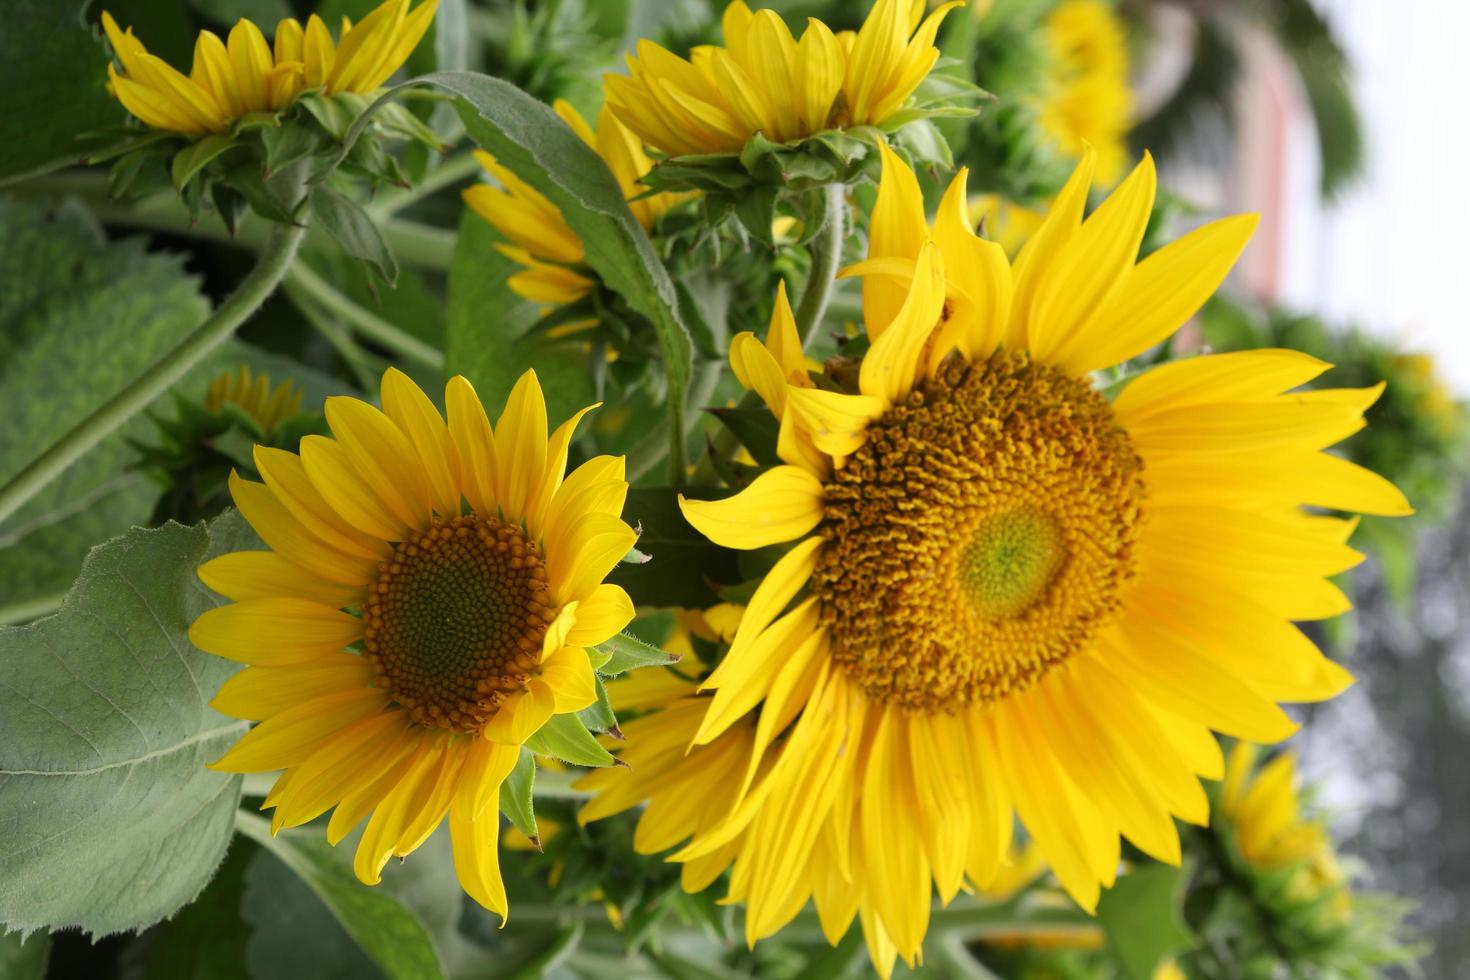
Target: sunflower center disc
{"points": [[455, 620], [980, 536]]}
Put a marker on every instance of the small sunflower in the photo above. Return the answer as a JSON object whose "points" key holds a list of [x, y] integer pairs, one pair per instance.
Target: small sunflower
{"points": [[540, 241], [267, 406], [425, 606], [1264, 810], [232, 79], [1086, 99], [1006, 594], [764, 80]]}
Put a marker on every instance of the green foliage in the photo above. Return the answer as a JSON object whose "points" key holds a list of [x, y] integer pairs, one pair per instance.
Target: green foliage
{"points": [[208, 939], [24, 958], [1140, 915], [389, 934], [47, 99], [112, 821]]}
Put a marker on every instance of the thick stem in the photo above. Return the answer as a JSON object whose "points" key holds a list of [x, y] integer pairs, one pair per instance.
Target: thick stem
{"points": [[274, 260], [826, 255]]}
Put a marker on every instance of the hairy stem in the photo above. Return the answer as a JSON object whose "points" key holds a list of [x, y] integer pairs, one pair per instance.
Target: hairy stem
{"points": [[275, 259], [826, 255]]}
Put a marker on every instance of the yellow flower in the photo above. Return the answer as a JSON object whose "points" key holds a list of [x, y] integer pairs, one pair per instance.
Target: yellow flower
{"points": [[1434, 399], [244, 75], [763, 80], [1086, 98], [540, 241], [400, 644], [1264, 811], [1005, 594], [1005, 222], [269, 407]]}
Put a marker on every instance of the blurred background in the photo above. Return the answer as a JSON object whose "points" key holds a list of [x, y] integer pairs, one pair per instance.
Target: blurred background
{"points": [[1341, 138]]}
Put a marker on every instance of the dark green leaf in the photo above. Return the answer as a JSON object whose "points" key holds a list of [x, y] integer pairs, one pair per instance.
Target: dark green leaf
{"points": [[756, 428], [264, 13], [352, 228], [564, 737], [1140, 916], [517, 799], [111, 820], [684, 567], [288, 143], [53, 73], [206, 941], [387, 932], [624, 653], [24, 959]]}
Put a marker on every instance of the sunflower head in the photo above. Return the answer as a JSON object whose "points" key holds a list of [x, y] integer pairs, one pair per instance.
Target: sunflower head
{"points": [[250, 108], [265, 406], [424, 606], [1005, 592], [767, 106], [537, 238]]}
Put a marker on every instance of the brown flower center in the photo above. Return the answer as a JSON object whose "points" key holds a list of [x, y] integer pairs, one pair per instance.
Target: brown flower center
{"points": [[455, 620], [980, 536]]}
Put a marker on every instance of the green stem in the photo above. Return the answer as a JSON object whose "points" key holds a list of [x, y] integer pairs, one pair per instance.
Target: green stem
{"points": [[274, 261], [826, 255], [365, 322], [358, 361]]}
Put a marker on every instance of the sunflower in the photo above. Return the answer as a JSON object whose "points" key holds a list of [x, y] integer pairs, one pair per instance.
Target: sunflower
{"points": [[1085, 98], [763, 80], [1264, 811], [424, 607], [267, 406], [540, 241], [1005, 594], [232, 79]]}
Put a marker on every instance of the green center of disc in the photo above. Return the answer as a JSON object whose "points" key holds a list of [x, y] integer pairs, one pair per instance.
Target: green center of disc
{"points": [[1010, 560]]}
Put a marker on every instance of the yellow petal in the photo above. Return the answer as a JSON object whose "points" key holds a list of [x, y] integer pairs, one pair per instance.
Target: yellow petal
{"points": [[257, 693], [781, 504], [383, 457], [410, 409], [288, 738], [892, 365], [520, 441], [265, 574], [274, 631], [601, 616], [568, 673]]}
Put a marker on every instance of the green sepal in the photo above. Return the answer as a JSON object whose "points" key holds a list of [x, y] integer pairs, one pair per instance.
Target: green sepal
{"points": [[564, 737], [599, 716], [197, 155], [517, 794], [623, 653]]}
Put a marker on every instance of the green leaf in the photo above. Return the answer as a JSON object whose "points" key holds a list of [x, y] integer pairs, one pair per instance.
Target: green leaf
{"points": [[207, 940], [53, 76], [625, 653], [1140, 916], [265, 13], [756, 428], [529, 139], [196, 156], [517, 799], [24, 959], [564, 737], [684, 568], [486, 329], [111, 820], [79, 320], [352, 228], [387, 932]]}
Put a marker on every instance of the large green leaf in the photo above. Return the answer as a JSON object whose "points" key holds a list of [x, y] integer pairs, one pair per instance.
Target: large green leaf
{"points": [[534, 144], [111, 821], [391, 936], [79, 320], [486, 330], [53, 73]]}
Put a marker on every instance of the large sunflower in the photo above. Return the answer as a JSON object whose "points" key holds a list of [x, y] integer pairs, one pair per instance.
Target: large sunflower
{"points": [[549, 252], [764, 80], [230, 80], [1007, 593], [424, 607]]}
